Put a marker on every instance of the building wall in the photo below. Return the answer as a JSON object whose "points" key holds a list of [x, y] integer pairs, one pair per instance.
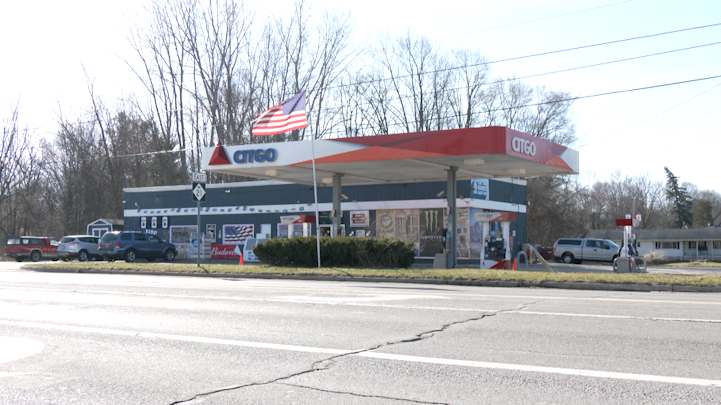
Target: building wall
{"points": [[250, 205]]}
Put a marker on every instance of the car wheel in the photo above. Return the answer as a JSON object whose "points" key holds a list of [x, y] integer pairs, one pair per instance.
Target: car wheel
{"points": [[35, 256], [130, 255], [169, 255], [567, 258], [82, 256], [151, 259]]}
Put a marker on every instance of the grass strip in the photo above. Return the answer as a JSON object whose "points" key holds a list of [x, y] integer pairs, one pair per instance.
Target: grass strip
{"points": [[536, 278]]}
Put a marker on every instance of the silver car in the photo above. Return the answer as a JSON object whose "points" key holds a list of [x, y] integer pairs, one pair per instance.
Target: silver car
{"points": [[81, 247]]}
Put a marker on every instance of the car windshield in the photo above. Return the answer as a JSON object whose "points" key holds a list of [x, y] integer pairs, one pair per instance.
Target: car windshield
{"points": [[613, 245], [66, 240]]}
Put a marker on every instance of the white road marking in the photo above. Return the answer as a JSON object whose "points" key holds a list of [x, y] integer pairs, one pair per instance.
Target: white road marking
{"points": [[12, 348], [368, 291], [13, 374], [539, 369], [615, 316], [358, 302], [356, 299], [380, 356]]}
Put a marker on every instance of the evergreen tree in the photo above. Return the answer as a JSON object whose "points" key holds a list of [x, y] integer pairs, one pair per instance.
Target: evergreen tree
{"points": [[680, 199], [702, 216]]}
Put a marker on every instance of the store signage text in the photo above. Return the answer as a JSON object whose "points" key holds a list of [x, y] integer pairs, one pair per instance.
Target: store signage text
{"points": [[523, 146], [255, 155]]}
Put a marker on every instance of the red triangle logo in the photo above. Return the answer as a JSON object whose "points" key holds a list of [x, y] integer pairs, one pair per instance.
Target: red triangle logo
{"points": [[219, 156]]}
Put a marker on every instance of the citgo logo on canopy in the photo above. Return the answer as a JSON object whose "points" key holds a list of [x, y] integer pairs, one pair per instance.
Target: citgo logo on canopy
{"points": [[255, 155], [523, 146]]}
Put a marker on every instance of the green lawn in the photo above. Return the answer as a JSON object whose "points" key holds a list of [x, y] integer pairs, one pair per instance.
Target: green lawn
{"points": [[532, 278]]}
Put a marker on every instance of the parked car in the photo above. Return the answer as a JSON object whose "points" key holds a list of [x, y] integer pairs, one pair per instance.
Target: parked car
{"points": [[574, 250], [128, 245], [81, 247], [32, 247]]}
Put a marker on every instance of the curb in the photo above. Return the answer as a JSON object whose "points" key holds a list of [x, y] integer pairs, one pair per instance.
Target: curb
{"points": [[473, 283]]}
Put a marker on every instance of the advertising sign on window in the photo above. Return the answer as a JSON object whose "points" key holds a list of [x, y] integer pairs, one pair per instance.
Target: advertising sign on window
{"points": [[479, 189], [359, 219], [237, 234], [431, 230], [210, 232]]}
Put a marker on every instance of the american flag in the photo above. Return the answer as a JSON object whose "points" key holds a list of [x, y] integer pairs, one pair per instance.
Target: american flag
{"points": [[283, 118], [237, 234]]}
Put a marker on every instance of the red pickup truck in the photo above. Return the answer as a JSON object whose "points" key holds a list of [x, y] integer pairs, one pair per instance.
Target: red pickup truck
{"points": [[33, 247]]}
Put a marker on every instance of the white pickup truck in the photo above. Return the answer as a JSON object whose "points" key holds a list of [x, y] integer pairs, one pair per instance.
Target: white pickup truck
{"points": [[575, 250]]}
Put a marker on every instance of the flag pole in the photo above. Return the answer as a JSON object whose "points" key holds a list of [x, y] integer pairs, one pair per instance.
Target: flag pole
{"points": [[315, 194]]}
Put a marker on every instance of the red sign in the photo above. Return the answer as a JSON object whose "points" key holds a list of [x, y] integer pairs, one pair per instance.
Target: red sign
{"points": [[223, 252], [624, 222]]}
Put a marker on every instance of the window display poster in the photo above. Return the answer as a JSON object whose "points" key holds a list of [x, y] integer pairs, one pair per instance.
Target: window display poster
{"points": [[463, 247], [210, 232], [479, 189], [359, 219], [385, 224], [431, 232], [237, 234], [181, 234], [476, 233]]}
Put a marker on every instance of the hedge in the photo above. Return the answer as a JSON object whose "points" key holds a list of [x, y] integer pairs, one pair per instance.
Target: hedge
{"points": [[343, 251]]}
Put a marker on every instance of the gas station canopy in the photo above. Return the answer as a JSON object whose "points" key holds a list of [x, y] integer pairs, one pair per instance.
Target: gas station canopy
{"points": [[487, 152]]}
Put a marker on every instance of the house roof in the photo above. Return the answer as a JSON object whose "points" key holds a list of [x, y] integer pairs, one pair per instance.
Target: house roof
{"points": [[113, 222], [683, 234]]}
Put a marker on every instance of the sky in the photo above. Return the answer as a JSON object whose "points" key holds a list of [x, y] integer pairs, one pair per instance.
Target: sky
{"points": [[48, 46]]}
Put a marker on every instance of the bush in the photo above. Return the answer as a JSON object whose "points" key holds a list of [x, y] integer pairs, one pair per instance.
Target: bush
{"points": [[655, 257], [344, 251]]}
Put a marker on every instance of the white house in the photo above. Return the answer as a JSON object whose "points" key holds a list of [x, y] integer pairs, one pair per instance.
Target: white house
{"points": [[682, 244]]}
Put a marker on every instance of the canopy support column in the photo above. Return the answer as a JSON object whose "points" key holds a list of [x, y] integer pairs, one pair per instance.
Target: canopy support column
{"points": [[336, 214], [451, 193]]}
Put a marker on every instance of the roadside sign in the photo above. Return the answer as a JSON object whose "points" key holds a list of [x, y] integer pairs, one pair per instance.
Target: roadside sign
{"points": [[199, 177], [198, 191]]}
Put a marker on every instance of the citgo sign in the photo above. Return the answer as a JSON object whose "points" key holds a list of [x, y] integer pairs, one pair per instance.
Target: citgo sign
{"points": [[521, 145], [255, 155]]}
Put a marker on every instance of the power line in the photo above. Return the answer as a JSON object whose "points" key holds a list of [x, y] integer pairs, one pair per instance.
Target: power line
{"points": [[483, 112], [652, 117], [535, 54], [558, 71], [531, 21], [547, 53], [582, 97]]}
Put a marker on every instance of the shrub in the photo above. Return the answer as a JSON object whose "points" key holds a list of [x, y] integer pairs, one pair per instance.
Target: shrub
{"points": [[655, 257], [344, 251]]}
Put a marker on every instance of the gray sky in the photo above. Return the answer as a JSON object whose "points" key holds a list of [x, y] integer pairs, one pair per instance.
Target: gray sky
{"points": [[46, 44]]}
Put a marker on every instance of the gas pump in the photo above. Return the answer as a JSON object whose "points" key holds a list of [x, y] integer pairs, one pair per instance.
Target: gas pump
{"points": [[496, 249]]}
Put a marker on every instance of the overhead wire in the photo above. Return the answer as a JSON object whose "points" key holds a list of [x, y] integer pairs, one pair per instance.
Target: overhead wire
{"points": [[652, 117], [495, 110]]}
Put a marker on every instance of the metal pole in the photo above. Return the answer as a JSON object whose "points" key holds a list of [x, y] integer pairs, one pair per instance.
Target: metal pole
{"points": [[315, 194], [198, 252]]}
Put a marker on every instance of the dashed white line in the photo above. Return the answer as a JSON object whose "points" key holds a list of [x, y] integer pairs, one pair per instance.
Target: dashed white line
{"points": [[380, 356]]}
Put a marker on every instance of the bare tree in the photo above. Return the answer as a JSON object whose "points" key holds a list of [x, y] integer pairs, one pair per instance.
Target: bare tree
{"points": [[19, 174]]}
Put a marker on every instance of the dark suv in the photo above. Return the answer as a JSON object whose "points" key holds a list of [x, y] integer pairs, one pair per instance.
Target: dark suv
{"points": [[132, 245]]}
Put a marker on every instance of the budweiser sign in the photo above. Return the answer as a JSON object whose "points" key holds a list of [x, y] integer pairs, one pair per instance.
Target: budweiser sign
{"points": [[223, 252]]}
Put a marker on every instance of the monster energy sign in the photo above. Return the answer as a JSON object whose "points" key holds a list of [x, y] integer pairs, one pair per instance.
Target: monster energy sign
{"points": [[431, 232]]}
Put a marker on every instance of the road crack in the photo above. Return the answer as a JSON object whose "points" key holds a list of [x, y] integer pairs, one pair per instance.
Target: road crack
{"points": [[366, 395], [325, 364]]}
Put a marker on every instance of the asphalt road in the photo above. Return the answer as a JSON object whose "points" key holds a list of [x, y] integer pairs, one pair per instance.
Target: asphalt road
{"points": [[129, 339]]}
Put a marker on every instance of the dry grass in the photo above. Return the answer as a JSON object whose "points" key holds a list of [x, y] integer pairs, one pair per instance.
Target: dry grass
{"points": [[530, 278]]}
